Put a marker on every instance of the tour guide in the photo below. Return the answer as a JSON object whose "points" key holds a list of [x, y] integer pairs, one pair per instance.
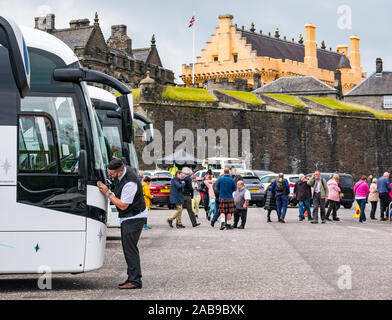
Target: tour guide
{"points": [[129, 200]]}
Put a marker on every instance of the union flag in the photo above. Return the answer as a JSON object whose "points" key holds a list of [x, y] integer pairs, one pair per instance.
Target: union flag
{"points": [[192, 22]]}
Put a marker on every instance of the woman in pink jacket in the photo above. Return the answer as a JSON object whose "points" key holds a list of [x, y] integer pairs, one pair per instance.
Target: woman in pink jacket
{"points": [[361, 191], [333, 197]]}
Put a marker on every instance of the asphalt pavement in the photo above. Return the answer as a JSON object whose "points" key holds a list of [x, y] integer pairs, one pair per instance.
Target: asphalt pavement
{"points": [[296, 260]]}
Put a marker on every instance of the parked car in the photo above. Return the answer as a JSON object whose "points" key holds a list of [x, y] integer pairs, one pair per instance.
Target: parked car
{"points": [[254, 185], [243, 172], [347, 182], [160, 189], [202, 173], [157, 173], [261, 173], [266, 180]]}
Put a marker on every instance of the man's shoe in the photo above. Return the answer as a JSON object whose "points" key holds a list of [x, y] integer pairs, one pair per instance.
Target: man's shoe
{"points": [[196, 225], [374, 219], [235, 227], [383, 219], [241, 228], [328, 219], [170, 223], [208, 218], [310, 219], [223, 227], [180, 226], [336, 219], [324, 222], [282, 221], [269, 220], [129, 286], [213, 224], [229, 227], [301, 219], [123, 284], [314, 222]]}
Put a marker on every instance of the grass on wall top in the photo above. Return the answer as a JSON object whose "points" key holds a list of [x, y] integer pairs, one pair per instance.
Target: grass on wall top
{"points": [[350, 107], [291, 100], [187, 94], [244, 96]]}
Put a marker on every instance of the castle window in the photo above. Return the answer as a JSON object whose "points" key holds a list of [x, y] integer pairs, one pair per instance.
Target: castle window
{"points": [[216, 58], [235, 58], [387, 102]]}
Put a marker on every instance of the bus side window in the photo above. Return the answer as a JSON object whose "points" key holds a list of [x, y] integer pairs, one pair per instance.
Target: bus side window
{"points": [[37, 152]]}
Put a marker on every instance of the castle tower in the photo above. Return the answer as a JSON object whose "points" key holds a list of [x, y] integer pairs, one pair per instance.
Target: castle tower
{"points": [[311, 46], [119, 39], [355, 55], [225, 22]]}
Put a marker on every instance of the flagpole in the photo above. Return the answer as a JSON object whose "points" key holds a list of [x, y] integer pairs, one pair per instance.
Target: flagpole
{"points": [[193, 51]]}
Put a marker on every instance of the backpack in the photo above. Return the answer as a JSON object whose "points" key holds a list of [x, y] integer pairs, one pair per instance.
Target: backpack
{"points": [[281, 186]]}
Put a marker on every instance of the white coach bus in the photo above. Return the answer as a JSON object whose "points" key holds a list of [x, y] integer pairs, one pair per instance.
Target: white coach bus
{"points": [[52, 214], [107, 108]]}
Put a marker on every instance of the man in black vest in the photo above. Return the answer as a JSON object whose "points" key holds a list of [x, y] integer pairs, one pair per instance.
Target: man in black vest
{"points": [[129, 201]]}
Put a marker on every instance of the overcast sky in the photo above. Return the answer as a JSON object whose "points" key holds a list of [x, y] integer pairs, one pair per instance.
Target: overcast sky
{"points": [[168, 20]]}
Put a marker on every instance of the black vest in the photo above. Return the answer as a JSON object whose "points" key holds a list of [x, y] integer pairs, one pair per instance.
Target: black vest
{"points": [[138, 205]]}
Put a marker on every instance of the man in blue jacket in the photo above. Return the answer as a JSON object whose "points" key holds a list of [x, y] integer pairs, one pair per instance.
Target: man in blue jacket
{"points": [[384, 189], [281, 189], [177, 198], [226, 186]]}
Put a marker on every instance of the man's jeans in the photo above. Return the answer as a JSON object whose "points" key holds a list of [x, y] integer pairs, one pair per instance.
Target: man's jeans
{"points": [[282, 202], [318, 202], [305, 205], [362, 206]]}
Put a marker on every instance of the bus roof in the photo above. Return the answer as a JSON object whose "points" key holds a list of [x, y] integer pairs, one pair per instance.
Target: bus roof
{"points": [[101, 94], [42, 40]]}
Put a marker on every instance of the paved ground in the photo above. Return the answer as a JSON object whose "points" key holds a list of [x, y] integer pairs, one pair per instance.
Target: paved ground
{"points": [[266, 261]]}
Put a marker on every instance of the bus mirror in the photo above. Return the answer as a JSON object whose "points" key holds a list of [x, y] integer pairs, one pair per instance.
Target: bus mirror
{"points": [[11, 37], [113, 115], [127, 121], [80, 74]]}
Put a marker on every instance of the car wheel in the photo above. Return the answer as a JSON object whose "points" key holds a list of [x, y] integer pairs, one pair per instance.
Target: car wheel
{"points": [[260, 204]]}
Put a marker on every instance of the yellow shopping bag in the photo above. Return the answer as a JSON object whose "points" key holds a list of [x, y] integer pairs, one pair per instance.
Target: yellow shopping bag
{"points": [[357, 213]]}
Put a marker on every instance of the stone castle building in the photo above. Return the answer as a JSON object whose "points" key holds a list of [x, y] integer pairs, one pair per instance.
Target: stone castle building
{"points": [[115, 56], [234, 53]]}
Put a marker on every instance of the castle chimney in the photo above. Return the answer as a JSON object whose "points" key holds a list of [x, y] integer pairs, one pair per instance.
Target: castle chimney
{"points": [[47, 23], [119, 39], [343, 49], [355, 55], [338, 83], [79, 23], [379, 66], [311, 46], [224, 36]]}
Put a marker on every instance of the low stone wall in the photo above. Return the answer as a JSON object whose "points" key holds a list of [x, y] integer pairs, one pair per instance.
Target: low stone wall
{"points": [[228, 99], [288, 142]]}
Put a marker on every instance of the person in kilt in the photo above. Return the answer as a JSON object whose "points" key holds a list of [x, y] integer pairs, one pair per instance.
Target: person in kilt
{"points": [[226, 186]]}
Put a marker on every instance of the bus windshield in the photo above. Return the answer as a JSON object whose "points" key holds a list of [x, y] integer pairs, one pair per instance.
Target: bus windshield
{"points": [[98, 139], [114, 139], [133, 161]]}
